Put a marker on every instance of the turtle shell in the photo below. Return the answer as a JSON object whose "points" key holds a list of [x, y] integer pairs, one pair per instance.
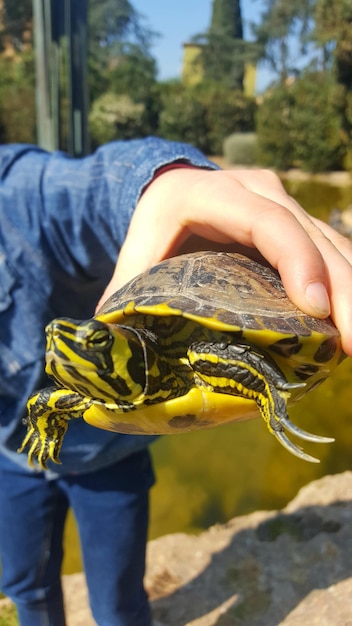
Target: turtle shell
{"points": [[231, 292], [225, 292]]}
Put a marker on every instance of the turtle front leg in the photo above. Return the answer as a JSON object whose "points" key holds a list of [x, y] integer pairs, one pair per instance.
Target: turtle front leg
{"points": [[49, 411]]}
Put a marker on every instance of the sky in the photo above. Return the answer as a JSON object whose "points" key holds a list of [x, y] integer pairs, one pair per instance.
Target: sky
{"points": [[178, 21]]}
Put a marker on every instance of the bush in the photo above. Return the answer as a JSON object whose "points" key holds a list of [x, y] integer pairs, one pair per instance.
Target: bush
{"points": [[183, 117], [204, 115], [115, 117], [17, 100], [300, 125], [240, 149], [317, 132], [274, 122], [227, 111]]}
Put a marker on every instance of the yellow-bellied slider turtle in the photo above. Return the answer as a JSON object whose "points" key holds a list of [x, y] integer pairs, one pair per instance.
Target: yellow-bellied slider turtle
{"points": [[197, 341]]}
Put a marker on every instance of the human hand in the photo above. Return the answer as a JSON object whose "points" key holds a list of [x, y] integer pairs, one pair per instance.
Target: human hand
{"points": [[250, 208]]}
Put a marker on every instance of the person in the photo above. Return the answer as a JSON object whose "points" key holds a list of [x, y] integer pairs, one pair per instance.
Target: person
{"points": [[71, 232]]}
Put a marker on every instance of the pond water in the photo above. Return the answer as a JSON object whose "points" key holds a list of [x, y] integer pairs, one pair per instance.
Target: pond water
{"points": [[211, 476]]}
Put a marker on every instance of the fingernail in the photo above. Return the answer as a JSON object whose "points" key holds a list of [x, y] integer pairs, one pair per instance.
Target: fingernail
{"points": [[317, 297]]}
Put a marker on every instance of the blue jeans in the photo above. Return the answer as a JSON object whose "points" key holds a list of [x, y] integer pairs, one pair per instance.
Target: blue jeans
{"points": [[111, 509]]}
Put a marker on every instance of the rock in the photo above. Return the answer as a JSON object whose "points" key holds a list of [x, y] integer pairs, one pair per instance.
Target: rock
{"points": [[288, 567]]}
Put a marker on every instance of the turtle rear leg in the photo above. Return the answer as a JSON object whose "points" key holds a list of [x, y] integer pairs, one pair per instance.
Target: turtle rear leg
{"points": [[239, 370], [49, 411]]}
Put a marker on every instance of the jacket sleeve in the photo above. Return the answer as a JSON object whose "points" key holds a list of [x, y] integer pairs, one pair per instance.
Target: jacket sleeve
{"points": [[79, 210]]}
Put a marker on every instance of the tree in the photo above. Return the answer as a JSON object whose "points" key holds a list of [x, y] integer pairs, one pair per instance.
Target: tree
{"points": [[283, 35], [227, 16], [333, 31], [16, 26], [116, 30], [223, 49], [119, 49], [309, 137], [17, 122], [135, 75]]}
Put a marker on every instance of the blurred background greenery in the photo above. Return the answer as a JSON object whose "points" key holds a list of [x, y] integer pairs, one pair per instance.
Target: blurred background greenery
{"points": [[303, 119]]}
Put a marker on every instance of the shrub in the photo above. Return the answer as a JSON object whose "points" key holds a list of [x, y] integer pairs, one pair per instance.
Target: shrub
{"points": [[300, 125], [240, 149], [183, 117], [17, 100], [204, 114], [274, 122], [227, 111], [317, 133], [115, 117]]}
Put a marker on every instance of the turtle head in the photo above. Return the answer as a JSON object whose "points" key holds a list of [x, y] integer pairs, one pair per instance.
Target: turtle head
{"points": [[97, 360]]}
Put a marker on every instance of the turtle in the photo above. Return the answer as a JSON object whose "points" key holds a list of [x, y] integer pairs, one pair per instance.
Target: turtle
{"points": [[198, 340]]}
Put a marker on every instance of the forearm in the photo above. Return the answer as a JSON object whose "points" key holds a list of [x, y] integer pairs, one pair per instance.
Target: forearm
{"points": [[82, 208]]}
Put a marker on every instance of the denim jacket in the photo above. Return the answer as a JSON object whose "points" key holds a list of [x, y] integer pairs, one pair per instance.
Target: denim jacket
{"points": [[62, 223]]}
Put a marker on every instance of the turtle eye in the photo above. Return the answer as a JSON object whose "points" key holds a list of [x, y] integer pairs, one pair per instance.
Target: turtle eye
{"points": [[99, 339]]}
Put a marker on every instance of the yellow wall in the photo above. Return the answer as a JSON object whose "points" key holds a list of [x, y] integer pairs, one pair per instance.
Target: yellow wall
{"points": [[192, 66], [250, 80], [193, 71]]}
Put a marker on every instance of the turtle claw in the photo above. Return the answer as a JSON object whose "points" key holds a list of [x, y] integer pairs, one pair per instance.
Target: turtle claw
{"points": [[39, 452], [301, 434], [291, 447], [284, 385]]}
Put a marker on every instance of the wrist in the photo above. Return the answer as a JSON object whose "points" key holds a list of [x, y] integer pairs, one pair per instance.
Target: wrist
{"points": [[171, 167]]}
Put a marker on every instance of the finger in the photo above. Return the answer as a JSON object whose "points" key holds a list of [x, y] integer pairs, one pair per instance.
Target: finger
{"points": [[337, 252], [277, 233], [341, 243]]}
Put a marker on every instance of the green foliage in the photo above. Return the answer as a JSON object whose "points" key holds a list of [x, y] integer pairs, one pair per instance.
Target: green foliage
{"points": [[183, 116], [333, 31], [316, 132], [348, 127], [240, 149], [223, 59], [227, 15], [120, 64], [116, 32], [227, 111], [223, 49], [281, 23], [305, 129], [135, 75], [115, 117], [8, 616], [114, 25], [17, 99], [204, 115], [274, 122], [16, 26]]}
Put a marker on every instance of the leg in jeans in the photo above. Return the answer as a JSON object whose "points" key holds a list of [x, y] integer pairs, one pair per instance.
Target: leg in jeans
{"points": [[111, 508], [32, 516]]}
